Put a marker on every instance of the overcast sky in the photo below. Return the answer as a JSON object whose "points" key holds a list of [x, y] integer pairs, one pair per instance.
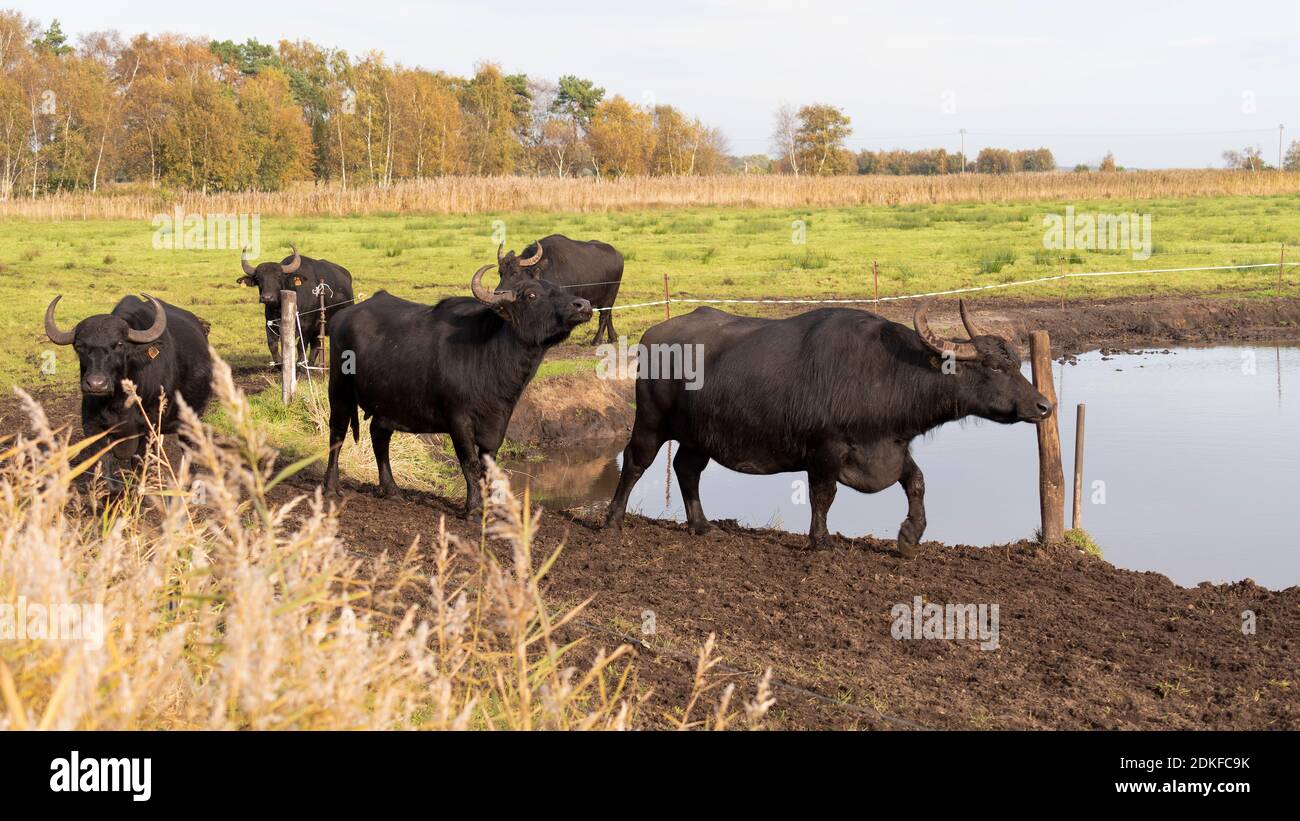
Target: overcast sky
{"points": [[1146, 80]]}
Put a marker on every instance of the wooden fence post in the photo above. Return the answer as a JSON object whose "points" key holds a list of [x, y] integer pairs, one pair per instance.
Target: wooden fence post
{"points": [[875, 280], [1077, 519], [667, 314], [1051, 477], [1281, 263], [321, 335], [288, 345]]}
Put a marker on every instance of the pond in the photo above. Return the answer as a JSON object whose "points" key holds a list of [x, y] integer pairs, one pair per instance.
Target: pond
{"points": [[1192, 469]]}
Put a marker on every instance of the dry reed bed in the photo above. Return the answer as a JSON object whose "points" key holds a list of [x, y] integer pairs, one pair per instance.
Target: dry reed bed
{"points": [[475, 195], [222, 610]]}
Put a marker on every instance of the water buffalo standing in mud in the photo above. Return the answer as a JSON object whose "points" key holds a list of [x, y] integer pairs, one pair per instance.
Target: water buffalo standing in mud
{"points": [[310, 278], [159, 347], [591, 270], [457, 367], [837, 392]]}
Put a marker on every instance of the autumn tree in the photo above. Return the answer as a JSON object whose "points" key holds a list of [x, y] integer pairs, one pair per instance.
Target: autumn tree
{"points": [[491, 106], [819, 140], [622, 138], [428, 125]]}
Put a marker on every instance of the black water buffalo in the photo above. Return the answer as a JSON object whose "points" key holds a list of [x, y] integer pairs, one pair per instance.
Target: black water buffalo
{"points": [[592, 270], [309, 277], [837, 392], [457, 367], [161, 348]]}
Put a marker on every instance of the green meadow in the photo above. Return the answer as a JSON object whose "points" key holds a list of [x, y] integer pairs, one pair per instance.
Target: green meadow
{"points": [[706, 252]]}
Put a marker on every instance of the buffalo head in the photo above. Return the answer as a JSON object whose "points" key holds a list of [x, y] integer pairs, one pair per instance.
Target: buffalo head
{"points": [[270, 278], [540, 312], [511, 267], [993, 386], [105, 344]]}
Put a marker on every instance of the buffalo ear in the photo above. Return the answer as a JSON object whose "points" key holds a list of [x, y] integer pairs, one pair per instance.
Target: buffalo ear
{"points": [[245, 281]]}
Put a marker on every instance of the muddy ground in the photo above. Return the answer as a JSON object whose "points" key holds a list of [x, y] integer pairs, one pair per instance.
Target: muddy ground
{"points": [[1081, 644]]}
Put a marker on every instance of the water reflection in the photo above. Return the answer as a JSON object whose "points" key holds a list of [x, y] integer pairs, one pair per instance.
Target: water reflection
{"points": [[1191, 470]]}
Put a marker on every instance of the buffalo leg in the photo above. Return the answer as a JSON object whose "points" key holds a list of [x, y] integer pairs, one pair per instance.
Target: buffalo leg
{"points": [[823, 474], [821, 490], [471, 466], [909, 532], [689, 464], [341, 411], [637, 456], [380, 437], [273, 344], [601, 324], [609, 325]]}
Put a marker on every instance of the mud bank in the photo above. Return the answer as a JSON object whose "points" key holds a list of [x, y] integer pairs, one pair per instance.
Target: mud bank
{"points": [[1080, 643]]}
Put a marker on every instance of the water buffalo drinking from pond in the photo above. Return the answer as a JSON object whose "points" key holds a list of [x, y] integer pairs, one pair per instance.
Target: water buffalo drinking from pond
{"points": [[836, 392], [159, 347], [591, 270], [457, 367], [310, 278]]}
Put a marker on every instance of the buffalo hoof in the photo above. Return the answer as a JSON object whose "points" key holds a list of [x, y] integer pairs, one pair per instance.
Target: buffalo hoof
{"points": [[474, 515], [908, 550], [819, 542], [700, 529], [389, 492]]}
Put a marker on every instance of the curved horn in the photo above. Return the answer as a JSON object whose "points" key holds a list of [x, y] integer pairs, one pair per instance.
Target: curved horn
{"points": [[52, 330], [962, 351], [971, 329], [482, 294], [155, 330], [292, 266], [524, 263], [500, 248], [243, 261]]}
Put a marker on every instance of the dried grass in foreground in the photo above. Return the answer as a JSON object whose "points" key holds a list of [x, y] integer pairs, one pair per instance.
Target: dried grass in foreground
{"points": [[222, 610]]}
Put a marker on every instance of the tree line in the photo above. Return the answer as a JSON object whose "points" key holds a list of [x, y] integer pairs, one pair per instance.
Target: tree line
{"points": [[190, 113]]}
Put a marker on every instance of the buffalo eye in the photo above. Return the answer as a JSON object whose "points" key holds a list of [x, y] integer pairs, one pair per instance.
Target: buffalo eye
{"points": [[532, 295]]}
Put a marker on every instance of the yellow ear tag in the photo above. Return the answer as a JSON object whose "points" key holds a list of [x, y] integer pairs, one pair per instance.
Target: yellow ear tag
{"points": [[297, 280], [153, 352]]}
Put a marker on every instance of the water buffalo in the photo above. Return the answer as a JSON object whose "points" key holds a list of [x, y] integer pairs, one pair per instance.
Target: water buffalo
{"points": [[304, 275], [837, 392], [457, 367], [161, 348], [592, 270]]}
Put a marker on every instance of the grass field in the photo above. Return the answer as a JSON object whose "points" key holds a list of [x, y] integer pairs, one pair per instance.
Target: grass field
{"points": [[707, 252]]}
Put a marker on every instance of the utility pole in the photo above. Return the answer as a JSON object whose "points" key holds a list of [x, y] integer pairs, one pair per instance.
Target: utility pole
{"points": [[1280, 129], [963, 150]]}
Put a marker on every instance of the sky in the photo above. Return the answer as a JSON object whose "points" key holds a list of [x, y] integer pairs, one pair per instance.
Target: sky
{"points": [[1161, 84]]}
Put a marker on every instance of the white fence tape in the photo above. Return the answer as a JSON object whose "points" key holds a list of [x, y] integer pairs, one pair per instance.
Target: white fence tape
{"points": [[1054, 278]]}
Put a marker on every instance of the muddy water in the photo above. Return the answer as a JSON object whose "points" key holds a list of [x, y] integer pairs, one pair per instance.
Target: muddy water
{"points": [[1192, 469]]}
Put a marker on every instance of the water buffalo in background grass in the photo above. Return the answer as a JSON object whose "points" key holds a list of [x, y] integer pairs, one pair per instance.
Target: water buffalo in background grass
{"points": [[159, 347], [837, 392], [591, 270], [457, 367], [303, 275]]}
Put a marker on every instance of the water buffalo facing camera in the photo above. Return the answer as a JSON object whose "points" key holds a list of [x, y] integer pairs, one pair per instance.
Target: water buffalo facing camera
{"points": [[836, 392], [457, 367], [159, 347], [592, 270], [309, 278]]}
